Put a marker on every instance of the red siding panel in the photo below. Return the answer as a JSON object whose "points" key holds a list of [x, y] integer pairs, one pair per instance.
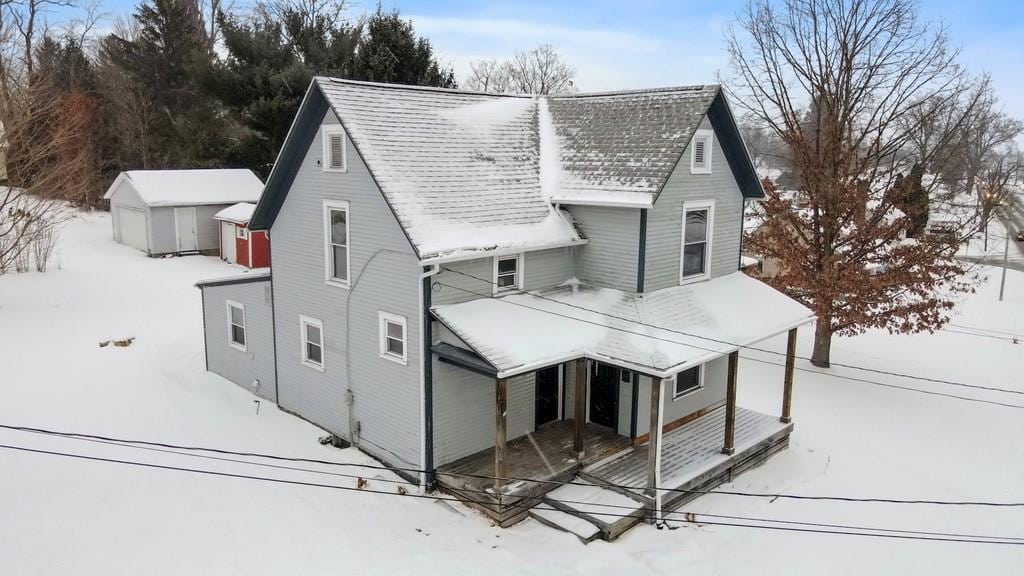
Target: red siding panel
{"points": [[260, 249]]}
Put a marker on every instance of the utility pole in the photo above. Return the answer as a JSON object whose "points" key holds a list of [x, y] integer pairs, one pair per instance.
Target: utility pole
{"points": [[1006, 253]]}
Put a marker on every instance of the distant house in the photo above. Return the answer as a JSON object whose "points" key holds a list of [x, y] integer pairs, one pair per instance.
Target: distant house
{"points": [[239, 245], [171, 211], [497, 294]]}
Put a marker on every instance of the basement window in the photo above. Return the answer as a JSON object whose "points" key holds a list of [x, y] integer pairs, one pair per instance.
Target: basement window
{"points": [[392, 337], [312, 335], [700, 155], [236, 325], [334, 159], [688, 382]]}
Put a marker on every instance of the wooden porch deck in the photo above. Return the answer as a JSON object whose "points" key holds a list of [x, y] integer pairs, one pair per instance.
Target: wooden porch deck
{"points": [[546, 454], [692, 457]]}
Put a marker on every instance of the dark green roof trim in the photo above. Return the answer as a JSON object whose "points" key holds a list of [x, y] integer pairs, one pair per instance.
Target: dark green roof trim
{"points": [[254, 277], [728, 134], [293, 152], [464, 359]]}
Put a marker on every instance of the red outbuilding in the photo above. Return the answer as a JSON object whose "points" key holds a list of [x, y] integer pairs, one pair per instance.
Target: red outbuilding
{"points": [[239, 245]]}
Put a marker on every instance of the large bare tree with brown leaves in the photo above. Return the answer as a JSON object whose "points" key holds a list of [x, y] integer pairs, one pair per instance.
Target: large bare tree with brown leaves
{"points": [[836, 80]]}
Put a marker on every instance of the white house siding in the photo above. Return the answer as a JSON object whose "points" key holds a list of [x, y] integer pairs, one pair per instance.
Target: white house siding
{"points": [[611, 255], [541, 269], [464, 410], [665, 220], [256, 362], [713, 392], [385, 277]]}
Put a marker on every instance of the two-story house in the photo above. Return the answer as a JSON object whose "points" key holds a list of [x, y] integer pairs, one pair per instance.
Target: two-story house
{"points": [[503, 296]]}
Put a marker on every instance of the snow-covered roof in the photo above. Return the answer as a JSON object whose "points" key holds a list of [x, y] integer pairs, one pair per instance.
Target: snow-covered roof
{"points": [[469, 173], [659, 333], [191, 187], [238, 213]]}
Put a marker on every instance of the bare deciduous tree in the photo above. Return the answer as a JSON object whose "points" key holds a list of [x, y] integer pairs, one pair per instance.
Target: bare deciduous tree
{"points": [[834, 79], [539, 71]]}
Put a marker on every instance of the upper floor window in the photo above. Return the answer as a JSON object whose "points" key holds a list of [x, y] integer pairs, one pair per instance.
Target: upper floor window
{"points": [[700, 155], [336, 242], [508, 273], [696, 250], [392, 337], [312, 334], [688, 381], [236, 325], [334, 149]]}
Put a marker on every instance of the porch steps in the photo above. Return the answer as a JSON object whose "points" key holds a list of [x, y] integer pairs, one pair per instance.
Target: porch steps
{"points": [[582, 529], [612, 513]]}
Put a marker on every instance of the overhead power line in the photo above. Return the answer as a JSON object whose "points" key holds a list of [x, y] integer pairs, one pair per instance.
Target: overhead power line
{"points": [[687, 517], [752, 359], [412, 470], [710, 339]]}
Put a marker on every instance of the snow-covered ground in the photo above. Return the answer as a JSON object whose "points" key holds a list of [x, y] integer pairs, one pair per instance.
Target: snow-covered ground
{"points": [[60, 515]]}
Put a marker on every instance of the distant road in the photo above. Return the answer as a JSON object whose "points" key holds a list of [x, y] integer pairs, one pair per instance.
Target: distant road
{"points": [[1012, 219]]}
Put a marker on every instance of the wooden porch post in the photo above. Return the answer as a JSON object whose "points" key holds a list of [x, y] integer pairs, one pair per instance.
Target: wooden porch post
{"points": [[500, 406], [579, 407], [654, 444], [730, 405], [787, 390]]}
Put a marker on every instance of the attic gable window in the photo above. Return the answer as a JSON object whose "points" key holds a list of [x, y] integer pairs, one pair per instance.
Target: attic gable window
{"points": [[336, 243], [698, 219], [508, 273], [700, 155], [334, 159]]}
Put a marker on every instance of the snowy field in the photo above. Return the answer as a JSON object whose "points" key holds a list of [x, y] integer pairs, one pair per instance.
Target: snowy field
{"points": [[60, 515]]}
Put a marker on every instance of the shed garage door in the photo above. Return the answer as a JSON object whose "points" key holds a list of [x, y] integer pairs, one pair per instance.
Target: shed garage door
{"points": [[131, 226]]}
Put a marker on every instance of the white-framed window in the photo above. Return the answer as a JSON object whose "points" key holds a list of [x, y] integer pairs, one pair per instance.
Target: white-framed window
{"points": [[508, 273], [392, 337], [236, 325], [335, 156], [336, 242], [700, 152], [688, 381], [312, 339], [695, 253]]}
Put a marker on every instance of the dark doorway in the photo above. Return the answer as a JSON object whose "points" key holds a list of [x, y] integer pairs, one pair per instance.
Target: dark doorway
{"points": [[604, 395], [547, 395]]}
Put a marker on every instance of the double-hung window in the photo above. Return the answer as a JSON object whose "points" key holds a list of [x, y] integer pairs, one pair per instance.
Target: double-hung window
{"points": [[312, 337], [236, 325], [698, 218], [336, 242], [508, 273], [700, 152], [334, 149], [392, 337], [688, 381]]}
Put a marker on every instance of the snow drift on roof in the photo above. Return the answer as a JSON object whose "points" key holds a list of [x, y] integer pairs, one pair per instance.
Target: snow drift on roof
{"points": [[659, 333], [192, 187], [239, 213]]}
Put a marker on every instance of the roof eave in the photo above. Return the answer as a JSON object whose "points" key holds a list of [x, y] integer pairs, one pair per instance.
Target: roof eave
{"points": [[473, 254]]}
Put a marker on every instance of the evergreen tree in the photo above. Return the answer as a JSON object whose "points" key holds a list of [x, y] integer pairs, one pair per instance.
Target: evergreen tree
{"points": [[389, 51]]}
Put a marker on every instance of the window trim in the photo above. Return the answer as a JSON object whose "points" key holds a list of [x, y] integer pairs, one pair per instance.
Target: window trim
{"points": [[520, 273], [384, 319], [693, 206], [303, 352], [330, 130], [708, 137], [245, 333], [331, 205], [676, 395]]}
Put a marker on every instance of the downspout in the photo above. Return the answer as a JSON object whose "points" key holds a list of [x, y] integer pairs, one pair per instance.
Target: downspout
{"points": [[635, 408], [427, 378], [641, 259]]}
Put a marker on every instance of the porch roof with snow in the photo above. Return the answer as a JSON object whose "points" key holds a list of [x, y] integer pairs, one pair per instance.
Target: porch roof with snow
{"points": [[469, 173], [191, 187], [659, 333]]}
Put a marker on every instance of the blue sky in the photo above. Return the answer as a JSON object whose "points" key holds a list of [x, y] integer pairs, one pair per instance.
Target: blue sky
{"points": [[616, 44]]}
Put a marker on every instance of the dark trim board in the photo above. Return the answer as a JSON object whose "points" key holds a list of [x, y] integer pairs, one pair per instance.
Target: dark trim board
{"points": [[428, 385], [234, 280], [729, 137], [641, 257], [463, 359]]}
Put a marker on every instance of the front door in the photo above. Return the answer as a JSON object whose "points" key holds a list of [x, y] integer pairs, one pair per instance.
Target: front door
{"points": [[227, 241], [604, 395], [185, 222], [547, 395]]}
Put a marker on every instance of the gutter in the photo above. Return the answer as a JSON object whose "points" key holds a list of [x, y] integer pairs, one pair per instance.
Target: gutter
{"points": [[484, 253]]}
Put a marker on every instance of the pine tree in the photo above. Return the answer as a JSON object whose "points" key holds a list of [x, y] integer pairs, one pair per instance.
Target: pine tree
{"points": [[389, 51]]}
